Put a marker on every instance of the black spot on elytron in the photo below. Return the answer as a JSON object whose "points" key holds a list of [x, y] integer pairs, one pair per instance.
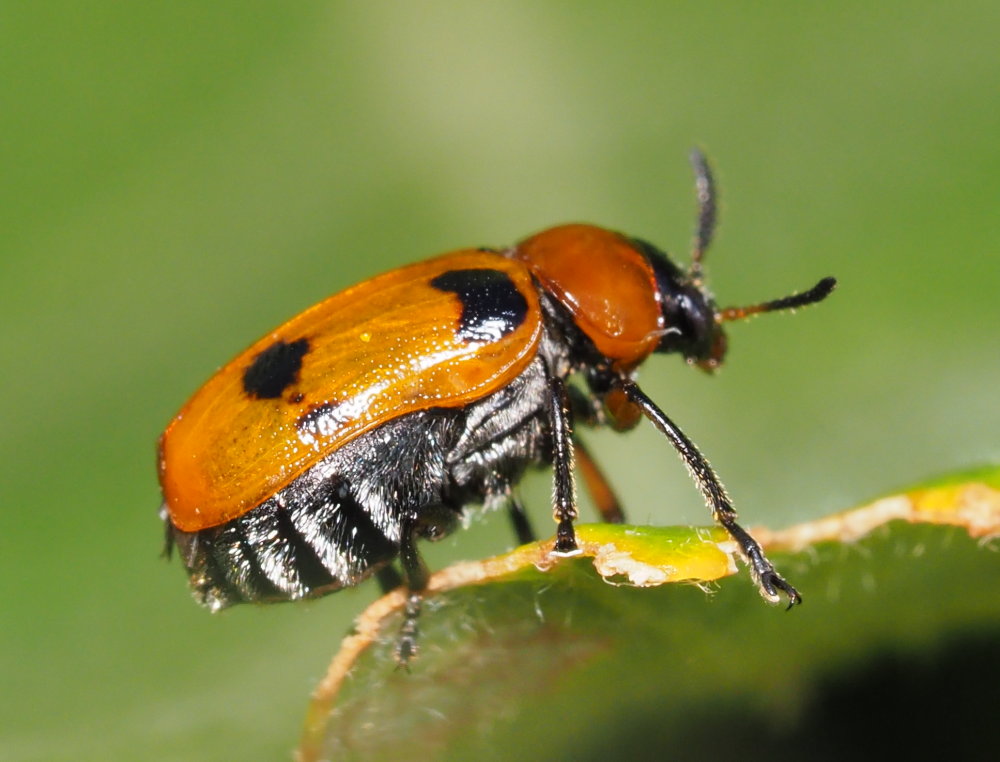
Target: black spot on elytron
{"points": [[492, 306], [295, 399], [274, 369]]}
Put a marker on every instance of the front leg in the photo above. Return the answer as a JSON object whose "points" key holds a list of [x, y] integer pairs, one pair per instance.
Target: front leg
{"points": [[769, 582], [564, 490]]}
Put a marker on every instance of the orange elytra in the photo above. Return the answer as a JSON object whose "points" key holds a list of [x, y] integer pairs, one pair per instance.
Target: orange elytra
{"points": [[378, 351]]}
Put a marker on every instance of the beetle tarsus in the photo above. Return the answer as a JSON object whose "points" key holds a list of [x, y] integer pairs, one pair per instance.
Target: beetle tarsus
{"points": [[566, 539], [406, 646], [775, 580], [769, 582]]}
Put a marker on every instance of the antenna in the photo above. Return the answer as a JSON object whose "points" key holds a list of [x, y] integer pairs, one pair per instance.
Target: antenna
{"points": [[817, 293], [704, 186]]}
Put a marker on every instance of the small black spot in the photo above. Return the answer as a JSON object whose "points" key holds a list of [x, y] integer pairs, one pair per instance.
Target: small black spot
{"points": [[274, 369], [320, 419], [295, 399], [492, 306]]}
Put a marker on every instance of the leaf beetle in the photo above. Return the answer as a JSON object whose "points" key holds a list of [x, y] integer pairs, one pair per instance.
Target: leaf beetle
{"points": [[328, 448]]}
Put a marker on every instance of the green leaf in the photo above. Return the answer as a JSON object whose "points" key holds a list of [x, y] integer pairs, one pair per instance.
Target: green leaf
{"points": [[527, 655]]}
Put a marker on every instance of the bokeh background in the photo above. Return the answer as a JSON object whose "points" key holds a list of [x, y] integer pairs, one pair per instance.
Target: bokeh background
{"points": [[177, 178]]}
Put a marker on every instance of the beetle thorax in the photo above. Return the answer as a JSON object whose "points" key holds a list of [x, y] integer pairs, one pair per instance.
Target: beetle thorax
{"points": [[606, 284]]}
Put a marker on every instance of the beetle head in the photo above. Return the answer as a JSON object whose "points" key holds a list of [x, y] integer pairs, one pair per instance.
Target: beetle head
{"points": [[692, 324]]}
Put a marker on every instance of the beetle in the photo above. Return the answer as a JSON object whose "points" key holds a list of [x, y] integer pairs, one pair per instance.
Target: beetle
{"points": [[329, 447]]}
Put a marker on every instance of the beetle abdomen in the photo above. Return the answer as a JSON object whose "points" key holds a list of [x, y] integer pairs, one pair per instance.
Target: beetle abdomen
{"points": [[339, 522]]}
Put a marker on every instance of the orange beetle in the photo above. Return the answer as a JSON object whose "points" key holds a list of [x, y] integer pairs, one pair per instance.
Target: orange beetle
{"points": [[327, 448]]}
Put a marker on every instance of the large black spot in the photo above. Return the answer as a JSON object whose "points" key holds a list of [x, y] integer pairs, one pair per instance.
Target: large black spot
{"points": [[274, 369], [492, 306]]}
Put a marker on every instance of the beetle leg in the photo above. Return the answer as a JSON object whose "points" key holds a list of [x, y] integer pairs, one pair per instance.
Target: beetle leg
{"points": [[519, 520], [564, 490], [769, 582], [416, 582], [597, 484], [432, 522], [600, 490]]}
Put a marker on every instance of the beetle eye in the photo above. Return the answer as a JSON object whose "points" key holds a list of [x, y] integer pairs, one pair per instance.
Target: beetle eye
{"points": [[689, 325], [689, 319]]}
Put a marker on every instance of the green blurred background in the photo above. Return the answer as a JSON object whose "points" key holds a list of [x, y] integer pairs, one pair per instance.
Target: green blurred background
{"points": [[177, 178]]}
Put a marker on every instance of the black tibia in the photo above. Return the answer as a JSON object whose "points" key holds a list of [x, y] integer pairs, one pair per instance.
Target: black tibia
{"points": [[597, 484], [564, 492], [768, 580], [588, 409], [431, 523], [519, 520]]}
